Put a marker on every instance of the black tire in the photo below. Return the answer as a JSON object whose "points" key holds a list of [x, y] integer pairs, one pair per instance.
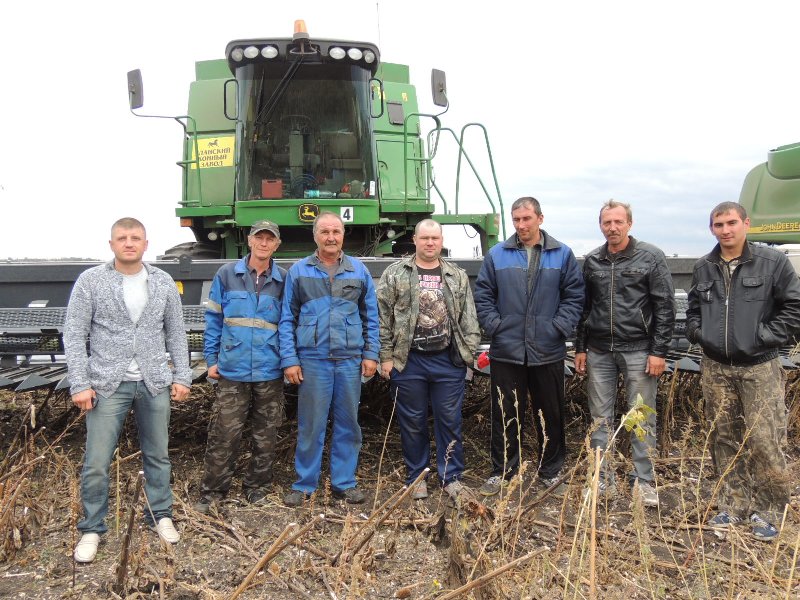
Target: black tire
{"points": [[196, 250]]}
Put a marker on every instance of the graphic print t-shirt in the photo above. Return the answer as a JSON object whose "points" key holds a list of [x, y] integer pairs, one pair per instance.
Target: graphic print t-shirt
{"points": [[432, 333]]}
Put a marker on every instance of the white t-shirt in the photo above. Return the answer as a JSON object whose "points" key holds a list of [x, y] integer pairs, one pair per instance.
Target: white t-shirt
{"points": [[134, 292]]}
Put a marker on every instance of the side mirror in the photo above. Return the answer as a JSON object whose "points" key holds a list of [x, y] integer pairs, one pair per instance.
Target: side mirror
{"points": [[135, 90], [439, 87]]}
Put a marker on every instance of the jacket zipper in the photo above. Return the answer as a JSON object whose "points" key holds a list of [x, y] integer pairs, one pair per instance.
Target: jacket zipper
{"points": [[611, 306]]}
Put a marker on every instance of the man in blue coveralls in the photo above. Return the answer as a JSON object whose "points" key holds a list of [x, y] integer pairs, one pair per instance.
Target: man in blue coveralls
{"points": [[329, 340]]}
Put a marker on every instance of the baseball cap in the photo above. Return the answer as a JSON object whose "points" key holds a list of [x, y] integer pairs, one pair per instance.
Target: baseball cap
{"points": [[265, 226]]}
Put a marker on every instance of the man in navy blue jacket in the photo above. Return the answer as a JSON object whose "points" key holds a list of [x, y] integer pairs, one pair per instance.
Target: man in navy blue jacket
{"points": [[529, 296], [329, 341], [241, 350]]}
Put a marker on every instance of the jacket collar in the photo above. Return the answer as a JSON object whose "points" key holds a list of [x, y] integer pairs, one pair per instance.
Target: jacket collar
{"points": [[715, 255], [345, 264], [110, 266], [242, 267], [548, 242], [409, 263], [627, 252]]}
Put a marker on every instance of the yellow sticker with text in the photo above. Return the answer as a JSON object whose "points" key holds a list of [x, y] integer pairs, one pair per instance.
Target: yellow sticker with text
{"points": [[214, 152]]}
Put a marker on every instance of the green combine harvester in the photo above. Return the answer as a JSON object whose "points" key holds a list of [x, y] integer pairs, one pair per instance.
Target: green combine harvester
{"points": [[283, 128]]}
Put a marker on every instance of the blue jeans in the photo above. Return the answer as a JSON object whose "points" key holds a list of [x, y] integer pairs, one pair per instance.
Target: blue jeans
{"points": [[603, 369], [430, 379], [103, 426], [329, 387]]}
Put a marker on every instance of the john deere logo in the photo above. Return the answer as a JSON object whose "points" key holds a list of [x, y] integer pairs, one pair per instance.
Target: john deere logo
{"points": [[308, 212]]}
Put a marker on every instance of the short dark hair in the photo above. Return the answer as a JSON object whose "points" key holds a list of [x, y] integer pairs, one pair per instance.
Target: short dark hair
{"points": [[128, 223], [325, 213], [723, 207], [427, 223], [614, 204], [527, 201]]}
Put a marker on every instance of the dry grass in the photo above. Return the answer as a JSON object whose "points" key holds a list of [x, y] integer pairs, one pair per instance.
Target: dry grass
{"points": [[528, 543]]}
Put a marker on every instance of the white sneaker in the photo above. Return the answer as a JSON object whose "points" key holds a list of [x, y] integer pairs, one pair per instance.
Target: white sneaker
{"points": [[166, 529], [86, 549]]}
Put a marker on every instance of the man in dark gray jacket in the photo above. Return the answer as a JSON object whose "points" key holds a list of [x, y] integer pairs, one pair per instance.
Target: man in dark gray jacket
{"points": [[626, 327], [130, 314], [743, 306]]}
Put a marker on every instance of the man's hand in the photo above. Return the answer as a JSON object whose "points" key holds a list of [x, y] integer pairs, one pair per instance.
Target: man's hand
{"points": [[580, 362], [655, 366], [386, 368], [368, 367], [84, 400], [179, 392], [213, 372], [293, 374]]}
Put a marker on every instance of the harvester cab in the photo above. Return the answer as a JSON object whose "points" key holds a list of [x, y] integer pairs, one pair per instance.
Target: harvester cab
{"points": [[284, 128]]}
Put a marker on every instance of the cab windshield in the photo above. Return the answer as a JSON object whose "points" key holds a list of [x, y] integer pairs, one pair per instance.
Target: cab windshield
{"points": [[304, 131]]}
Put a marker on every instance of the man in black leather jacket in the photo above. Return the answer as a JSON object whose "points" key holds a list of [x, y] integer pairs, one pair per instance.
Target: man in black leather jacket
{"points": [[743, 306], [626, 327]]}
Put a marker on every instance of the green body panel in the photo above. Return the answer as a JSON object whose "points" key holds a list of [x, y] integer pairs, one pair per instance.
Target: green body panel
{"points": [[205, 211], [363, 211], [771, 196], [208, 119], [212, 69]]}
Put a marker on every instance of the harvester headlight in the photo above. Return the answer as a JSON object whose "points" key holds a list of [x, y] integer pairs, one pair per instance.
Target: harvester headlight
{"points": [[355, 53], [213, 236], [336, 53], [269, 52], [369, 57], [251, 52], [237, 54], [390, 233]]}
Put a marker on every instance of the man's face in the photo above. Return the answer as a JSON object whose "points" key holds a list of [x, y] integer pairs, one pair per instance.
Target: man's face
{"points": [[329, 236], [526, 222], [128, 245], [730, 230], [262, 245], [615, 226], [429, 242]]}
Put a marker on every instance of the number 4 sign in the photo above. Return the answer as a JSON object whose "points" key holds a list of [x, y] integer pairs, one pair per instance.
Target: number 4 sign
{"points": [[346, 213]]}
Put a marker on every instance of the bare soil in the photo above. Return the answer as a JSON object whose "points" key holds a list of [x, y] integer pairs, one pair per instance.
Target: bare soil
{"points": [[563, 548]]}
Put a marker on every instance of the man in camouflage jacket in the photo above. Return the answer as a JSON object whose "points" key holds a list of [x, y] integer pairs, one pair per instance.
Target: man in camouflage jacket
{"points": [[428, 334]]}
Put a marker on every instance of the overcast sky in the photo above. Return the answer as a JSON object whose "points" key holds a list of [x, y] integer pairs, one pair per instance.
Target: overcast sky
{"points": [[663, 105]]}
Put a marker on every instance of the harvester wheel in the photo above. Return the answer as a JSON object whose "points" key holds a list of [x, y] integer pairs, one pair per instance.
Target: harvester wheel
{"points": [[197, 250]]}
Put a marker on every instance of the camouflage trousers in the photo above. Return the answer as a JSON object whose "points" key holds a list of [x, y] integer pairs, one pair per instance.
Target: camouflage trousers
{"points": [[238, 403], [746, 410]]}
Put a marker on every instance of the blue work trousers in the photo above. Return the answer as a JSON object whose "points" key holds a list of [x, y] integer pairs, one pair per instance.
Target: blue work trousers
{"points": [[603, 370], [329, 387], [430, 379], [103, 425]]}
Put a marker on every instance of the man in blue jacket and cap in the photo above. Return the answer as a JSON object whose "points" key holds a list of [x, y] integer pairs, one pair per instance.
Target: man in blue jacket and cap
{"points": [[242, 353]]}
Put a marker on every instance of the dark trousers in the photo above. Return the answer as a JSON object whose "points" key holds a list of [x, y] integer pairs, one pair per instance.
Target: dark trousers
{"points": [[511, 385], [430, 379], [261, 404]]}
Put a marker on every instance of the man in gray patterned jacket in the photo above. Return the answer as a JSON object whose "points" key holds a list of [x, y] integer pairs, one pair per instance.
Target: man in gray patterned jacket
{"points": [[428, 332], [131, 315]]}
